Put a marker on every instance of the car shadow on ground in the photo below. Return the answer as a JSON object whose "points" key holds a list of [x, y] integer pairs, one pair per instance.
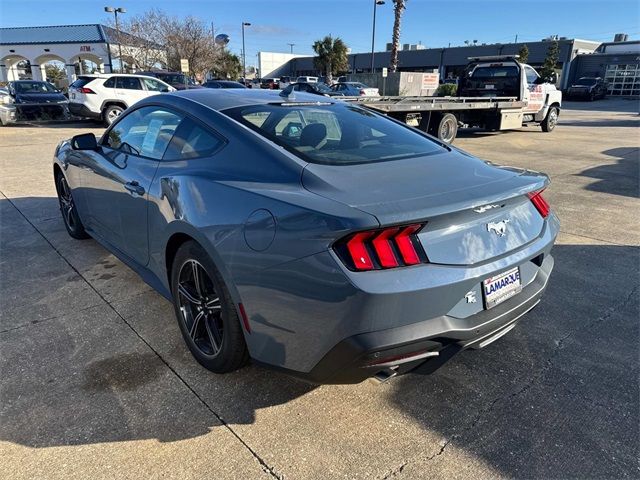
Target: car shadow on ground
{"points": [[562, 379], [621, 178]]}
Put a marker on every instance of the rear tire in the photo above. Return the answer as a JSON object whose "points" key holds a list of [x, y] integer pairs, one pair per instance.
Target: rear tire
{"points": [[111, 113], [445, 128], [68, 209], [551, 120], [206, 314]]}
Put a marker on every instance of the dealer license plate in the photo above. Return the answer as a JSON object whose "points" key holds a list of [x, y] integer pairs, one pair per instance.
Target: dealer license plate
{"points": [[501, 287]]}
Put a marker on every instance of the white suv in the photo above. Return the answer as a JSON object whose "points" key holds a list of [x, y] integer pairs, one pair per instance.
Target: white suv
{"points": [[106, 96]]}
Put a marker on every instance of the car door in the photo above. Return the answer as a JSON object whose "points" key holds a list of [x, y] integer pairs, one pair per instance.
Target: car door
{"points": [[116, 184], [129, 90], [534, 91]]}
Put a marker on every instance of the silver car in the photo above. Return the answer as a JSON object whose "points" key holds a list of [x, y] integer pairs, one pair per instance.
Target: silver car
{"points": [[310, 234]]}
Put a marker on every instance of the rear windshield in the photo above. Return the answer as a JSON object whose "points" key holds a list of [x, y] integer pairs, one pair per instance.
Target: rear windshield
{"points": [[34, 87], [586, 81], [495, 72], [81, 82], [334, 134]]}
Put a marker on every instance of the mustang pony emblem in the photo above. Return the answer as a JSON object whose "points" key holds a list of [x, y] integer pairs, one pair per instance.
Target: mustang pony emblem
{"points": [[499, 228]]}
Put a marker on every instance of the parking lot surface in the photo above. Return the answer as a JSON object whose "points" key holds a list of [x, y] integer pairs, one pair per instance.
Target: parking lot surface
{"points": [[96, 381]]}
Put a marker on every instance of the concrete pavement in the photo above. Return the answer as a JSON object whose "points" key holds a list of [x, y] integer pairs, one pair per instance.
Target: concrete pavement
{"points": [[96, 380]]}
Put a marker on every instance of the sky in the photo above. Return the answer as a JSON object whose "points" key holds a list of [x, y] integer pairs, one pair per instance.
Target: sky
{"points": [[435, 23]]}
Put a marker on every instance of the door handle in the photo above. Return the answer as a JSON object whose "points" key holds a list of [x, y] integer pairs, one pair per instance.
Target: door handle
{"points": [[134, 187]]}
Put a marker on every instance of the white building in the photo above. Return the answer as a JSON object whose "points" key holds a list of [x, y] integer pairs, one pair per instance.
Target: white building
{"points": [[69, 44]]}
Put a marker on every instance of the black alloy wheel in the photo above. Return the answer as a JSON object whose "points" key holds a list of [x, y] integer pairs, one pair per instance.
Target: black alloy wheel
{"points": [[206, 313], [200, 308], [68, 210]]}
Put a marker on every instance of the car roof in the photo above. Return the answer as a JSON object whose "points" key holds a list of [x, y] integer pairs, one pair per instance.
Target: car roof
{"points": [[230, 98]]}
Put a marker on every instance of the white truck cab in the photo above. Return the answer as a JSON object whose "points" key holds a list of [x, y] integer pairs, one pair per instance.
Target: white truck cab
{"points": [[505, 76]]}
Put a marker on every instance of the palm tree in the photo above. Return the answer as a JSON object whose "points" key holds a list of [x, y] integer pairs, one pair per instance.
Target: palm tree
{"points": [[332, 56], [398, 8]]}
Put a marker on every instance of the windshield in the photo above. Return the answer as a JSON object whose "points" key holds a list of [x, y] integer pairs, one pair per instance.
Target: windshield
{"points": [[495, 72], [34, 87], [586, 81], [334, 134]]}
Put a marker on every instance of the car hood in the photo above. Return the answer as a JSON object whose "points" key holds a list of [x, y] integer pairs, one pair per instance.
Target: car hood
{"points": [[40, 98], [417, 188]]}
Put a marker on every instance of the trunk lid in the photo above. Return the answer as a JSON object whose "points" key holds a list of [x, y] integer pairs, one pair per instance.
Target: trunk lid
{"points": [[474, 211]]}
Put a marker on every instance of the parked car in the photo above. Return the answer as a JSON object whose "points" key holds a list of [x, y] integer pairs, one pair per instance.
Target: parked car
{"points": [[345, 244], [588, 87], [31, 100], [177, 80], [284, 82], [105, 96], [307, 80], [270, 83], [223, 84], [315, 88], [355, 89]]}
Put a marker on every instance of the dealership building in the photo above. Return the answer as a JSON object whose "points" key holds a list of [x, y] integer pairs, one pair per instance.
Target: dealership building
{"points": [[26, 51], [577, 58]]}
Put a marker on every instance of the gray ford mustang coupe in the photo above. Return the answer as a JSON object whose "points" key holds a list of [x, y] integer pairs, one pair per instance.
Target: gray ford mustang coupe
{"points": [[309, 234]]}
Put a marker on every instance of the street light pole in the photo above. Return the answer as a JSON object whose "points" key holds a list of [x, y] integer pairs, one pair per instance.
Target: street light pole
{"points": [[115, 11], [244, 53], [291, 45], [373, 32]]}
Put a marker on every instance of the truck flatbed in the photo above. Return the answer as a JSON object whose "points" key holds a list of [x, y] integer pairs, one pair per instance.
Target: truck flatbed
{"points": [[425, 104]]}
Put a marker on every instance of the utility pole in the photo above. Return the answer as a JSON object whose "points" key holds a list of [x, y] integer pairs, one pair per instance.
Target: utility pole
{"points": [[291, 45], [115, 11], [516, 38], [244, 53], [373, 30]]}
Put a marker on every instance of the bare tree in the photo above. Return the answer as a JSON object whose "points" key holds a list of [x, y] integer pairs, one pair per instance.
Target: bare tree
{"points": [[190, 38], [142, 39], [398, 9]]}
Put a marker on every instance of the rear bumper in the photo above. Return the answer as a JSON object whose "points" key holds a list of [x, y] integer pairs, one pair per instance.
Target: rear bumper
{"points": [[316, 320], [433, 341], [81, 110]]}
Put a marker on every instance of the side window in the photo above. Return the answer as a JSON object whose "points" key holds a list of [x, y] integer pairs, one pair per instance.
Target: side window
{"points": [[153, 85], [145, 132], [531, 74], [128, 83], [191, 141], [110, 83]]}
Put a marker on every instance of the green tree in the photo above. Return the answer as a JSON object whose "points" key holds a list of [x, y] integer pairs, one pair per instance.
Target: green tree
{"points": [[227, 65], [524, 53], [54, 72], [331, 56], [398, 9], [551, 60]]}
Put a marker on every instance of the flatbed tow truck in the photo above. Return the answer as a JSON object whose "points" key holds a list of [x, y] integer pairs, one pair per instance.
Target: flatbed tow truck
{"points": [[494, 93]]}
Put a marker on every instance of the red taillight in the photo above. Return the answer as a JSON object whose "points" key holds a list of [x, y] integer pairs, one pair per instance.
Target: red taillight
{"points": [[85, 90], [540, 203], [405, 245], [362, 92], [383, 248], [358, 251]]}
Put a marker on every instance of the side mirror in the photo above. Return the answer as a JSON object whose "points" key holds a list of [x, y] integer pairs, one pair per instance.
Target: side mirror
{"points": [[165, 90], [86, 141]]}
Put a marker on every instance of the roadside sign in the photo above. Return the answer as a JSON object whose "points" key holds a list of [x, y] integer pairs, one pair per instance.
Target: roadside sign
{"points": [[385, 72], [430, 81], [184, 65]]}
